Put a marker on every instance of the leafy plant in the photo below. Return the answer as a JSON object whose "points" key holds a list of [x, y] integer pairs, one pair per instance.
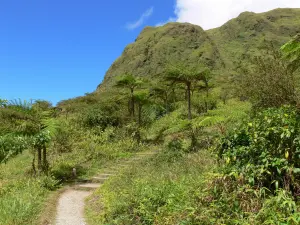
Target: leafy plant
{"points": [[12, 145], [291, 51], [266, 152], [279, 209], [99, 116], [49, 183], [26, 118], [267, 81]]}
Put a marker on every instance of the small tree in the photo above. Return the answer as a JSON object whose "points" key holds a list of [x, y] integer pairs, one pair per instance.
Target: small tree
{"points": [[206, 85], [128, 81], [186, 75], [162, 92], [267, 81], [141, 98], [33, 122]]}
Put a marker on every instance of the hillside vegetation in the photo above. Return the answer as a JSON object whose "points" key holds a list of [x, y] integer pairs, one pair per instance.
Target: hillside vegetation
{"points": [[221, 107], [221, 48]]}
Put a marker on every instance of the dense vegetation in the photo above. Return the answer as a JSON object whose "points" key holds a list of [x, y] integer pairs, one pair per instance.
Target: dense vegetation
{"points": [[254, 140], [38, 161], [228, 140]]}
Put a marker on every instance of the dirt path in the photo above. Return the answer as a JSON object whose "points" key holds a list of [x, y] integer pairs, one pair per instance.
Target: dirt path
{"points": [[70, 208]]}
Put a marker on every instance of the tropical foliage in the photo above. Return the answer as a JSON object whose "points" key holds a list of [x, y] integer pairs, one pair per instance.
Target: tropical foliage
{"points": [[228, 141], [266, 152], [291, 52], [268, 81]]}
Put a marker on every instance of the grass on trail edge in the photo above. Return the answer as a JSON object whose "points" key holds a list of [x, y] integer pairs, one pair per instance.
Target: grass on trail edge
{"points": [[26, 200], [21, 196], [48, 214], [156, 191]]}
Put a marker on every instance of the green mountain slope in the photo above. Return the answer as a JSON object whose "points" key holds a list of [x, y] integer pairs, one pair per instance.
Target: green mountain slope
{"points": [[247, 33], [219, 48], [156, 47]]}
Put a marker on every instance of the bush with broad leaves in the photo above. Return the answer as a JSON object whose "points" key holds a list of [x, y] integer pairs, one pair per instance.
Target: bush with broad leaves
{"points": [[266, 151]]}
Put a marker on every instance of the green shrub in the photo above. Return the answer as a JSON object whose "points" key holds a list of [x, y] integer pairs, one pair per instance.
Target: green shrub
{"points": [[62, 142], [11, 146], [101, 115], [173, 150], [231, 201], [280, 208], [266, 152], [97, 117], [49, 183], [63, 171]]}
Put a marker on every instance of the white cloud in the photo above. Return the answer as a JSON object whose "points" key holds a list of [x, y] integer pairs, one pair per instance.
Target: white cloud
{"points": [[141, 20], [214, 13]]}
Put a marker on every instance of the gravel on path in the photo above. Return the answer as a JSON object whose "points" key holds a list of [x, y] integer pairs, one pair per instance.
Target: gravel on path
{"points": [[70, 209]]}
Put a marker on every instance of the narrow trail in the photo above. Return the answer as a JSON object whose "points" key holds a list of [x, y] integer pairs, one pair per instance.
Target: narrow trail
{"points": [[70, 208]]}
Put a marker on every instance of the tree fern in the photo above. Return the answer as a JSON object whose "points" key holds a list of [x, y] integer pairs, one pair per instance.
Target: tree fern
{"points": [[291, 51], [207, 121]]}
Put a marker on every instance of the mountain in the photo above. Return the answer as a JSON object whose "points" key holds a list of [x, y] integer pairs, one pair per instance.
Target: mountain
{"points": [[155, 47], [249, 32], [219, 48]]}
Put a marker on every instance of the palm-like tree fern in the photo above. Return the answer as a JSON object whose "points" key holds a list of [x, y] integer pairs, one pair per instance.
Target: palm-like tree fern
{"points": [[30, 122], [141, 98], [186, 75], [128, 81]]}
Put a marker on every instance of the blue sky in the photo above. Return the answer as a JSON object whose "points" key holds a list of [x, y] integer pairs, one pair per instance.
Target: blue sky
{"points": [[59, 49]]}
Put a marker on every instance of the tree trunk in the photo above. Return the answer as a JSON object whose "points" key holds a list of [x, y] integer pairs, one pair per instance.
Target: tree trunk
{"points": [[129, 107], [33, 164], [189, 100], [132, 102], [207, 94], [39, 151], [45, 162], [206, 100], [173, 95], [140, 114], [167, 103], [186, 95]]}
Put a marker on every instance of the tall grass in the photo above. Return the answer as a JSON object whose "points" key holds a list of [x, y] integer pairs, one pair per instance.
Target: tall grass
{"points": [[156, 191], [21, 197]]}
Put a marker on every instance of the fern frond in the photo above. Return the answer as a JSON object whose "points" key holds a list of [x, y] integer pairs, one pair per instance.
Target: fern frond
{"points": [[181, 126], [51, 125], [208, 121]]}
